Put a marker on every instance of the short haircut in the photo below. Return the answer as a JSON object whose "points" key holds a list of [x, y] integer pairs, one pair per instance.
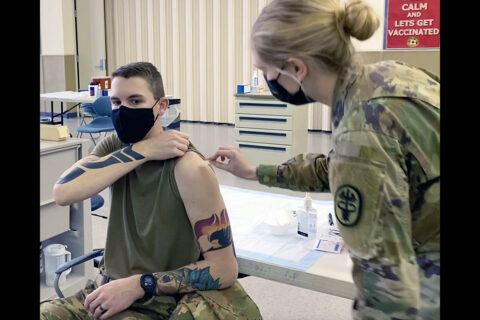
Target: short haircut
{"points": [[144, 70]]}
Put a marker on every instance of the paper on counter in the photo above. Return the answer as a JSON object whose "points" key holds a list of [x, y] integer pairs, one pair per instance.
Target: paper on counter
{"points": [[248, 210]]}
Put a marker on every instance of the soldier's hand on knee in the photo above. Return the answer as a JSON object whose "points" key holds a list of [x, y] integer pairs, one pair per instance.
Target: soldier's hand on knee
{"points": [[114, 297]]}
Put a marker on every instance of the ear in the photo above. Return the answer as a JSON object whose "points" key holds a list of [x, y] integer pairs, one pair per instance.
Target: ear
{"points": [[299, 67], [162, 106]]}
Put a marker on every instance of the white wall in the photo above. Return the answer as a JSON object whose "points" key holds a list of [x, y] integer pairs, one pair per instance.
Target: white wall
{"points": [[57, 58], [57, 33], [375, 43], [91, 40]]}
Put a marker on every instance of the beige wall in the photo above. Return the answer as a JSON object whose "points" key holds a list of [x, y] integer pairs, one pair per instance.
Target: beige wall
{"points": [[202, 50], [57, 61], [428, 59], [57, 28], [91, 40]]}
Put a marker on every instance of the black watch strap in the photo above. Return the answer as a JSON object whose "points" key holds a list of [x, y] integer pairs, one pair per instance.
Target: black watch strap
{"points": [[148, 282]]}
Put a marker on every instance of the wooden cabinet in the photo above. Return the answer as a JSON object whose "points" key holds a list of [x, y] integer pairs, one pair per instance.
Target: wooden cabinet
{"points": [[269, 131]]}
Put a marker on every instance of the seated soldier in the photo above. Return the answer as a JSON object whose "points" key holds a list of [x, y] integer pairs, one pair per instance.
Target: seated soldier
{"points": [[169, 250]]}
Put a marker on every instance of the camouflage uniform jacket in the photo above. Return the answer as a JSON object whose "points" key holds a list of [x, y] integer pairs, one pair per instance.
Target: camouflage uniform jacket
{"points": [[384, 174]]}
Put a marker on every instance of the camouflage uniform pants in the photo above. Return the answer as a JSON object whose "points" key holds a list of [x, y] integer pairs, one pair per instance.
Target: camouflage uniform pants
{"points": [[231, 303]]}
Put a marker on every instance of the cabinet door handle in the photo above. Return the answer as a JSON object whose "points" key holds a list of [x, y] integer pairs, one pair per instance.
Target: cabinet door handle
{"points": [[250, 104], [261, 147], [263, 119], [263, 133]]}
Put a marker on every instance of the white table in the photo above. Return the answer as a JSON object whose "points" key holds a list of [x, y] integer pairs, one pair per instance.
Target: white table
{"points": [[284, 258], [66, 96]]}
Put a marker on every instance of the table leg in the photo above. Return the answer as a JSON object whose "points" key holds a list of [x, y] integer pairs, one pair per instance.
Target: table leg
{"points": [[61, 113], [51, 111]]}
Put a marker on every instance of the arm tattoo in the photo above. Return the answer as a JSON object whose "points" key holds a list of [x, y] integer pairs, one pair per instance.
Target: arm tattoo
{"points": [[214, 233], [101, 164], [128, 150], [120, 156], [72, 175], [187, 280]]}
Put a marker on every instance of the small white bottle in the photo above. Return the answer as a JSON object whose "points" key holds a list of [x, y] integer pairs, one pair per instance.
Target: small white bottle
{"points": [[99, 92], [312, 217], [254, 81], [307, 219], [92, 89]]}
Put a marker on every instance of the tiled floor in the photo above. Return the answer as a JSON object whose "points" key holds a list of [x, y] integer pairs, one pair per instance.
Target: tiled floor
{"points": [[276, 300]]}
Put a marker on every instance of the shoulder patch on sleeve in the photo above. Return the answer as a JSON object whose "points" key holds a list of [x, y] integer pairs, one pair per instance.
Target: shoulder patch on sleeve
{"points": [[348, 205]]}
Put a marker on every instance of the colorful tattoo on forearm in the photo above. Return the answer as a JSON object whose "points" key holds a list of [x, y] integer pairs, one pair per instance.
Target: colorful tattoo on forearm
{"points": [[214, 233], [187, 280], [120, 156]]}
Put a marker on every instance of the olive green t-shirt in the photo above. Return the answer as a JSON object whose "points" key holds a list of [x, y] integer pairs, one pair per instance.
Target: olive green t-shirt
{"points": [[148, 227]]}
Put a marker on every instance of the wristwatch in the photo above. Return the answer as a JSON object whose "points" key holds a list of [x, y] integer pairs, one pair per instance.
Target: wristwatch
{"points": [[148, 282]]}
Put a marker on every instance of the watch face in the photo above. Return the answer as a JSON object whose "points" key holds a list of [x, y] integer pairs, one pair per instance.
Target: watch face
{"points": [[148, 282]]}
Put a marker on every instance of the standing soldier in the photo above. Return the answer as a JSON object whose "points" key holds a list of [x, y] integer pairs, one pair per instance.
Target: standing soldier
{"points": [[384, 169]]}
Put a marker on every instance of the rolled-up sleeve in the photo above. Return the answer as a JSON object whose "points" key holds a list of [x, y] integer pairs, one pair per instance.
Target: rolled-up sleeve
{"points": [[305, 172]]}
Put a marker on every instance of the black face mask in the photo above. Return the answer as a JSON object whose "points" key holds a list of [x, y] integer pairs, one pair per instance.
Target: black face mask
{"points": [[281, 94], [132, 124]]}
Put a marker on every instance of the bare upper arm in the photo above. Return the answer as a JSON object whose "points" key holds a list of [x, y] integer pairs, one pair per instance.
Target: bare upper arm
{"points": [[200, 192]]}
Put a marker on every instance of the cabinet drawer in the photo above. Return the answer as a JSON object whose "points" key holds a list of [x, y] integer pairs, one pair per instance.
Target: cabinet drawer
{"points": [[54, 220], [263, 136], [263, 122], [52, 165], [266, 106], [262, 153]]}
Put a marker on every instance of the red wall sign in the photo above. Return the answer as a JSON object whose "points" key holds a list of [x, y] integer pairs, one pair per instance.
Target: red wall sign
{"points": [[412, 24]]}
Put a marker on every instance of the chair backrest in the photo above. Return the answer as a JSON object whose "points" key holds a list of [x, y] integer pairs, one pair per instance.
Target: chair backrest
{"points": [[103, 106]]}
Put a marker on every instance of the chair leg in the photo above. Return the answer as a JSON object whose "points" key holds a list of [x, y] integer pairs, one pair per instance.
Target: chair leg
{"points": [[82, 120], [92, 139]]}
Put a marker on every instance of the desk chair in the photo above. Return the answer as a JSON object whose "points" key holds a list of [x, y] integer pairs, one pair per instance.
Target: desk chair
{"points": [[87, 110], [97, 202], [98, 253], [102, 122]]}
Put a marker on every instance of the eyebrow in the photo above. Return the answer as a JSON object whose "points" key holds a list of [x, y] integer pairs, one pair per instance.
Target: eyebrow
{"points": [[130, 97]]}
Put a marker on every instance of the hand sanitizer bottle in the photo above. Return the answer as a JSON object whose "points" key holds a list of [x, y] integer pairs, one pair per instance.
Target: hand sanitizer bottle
{"points": [[312, 216], [92, 89], [254, 87], [99, 91], [307, 219]]}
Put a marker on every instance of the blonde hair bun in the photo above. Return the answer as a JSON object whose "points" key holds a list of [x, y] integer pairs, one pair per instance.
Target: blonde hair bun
{"points": [[360, 20]]}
